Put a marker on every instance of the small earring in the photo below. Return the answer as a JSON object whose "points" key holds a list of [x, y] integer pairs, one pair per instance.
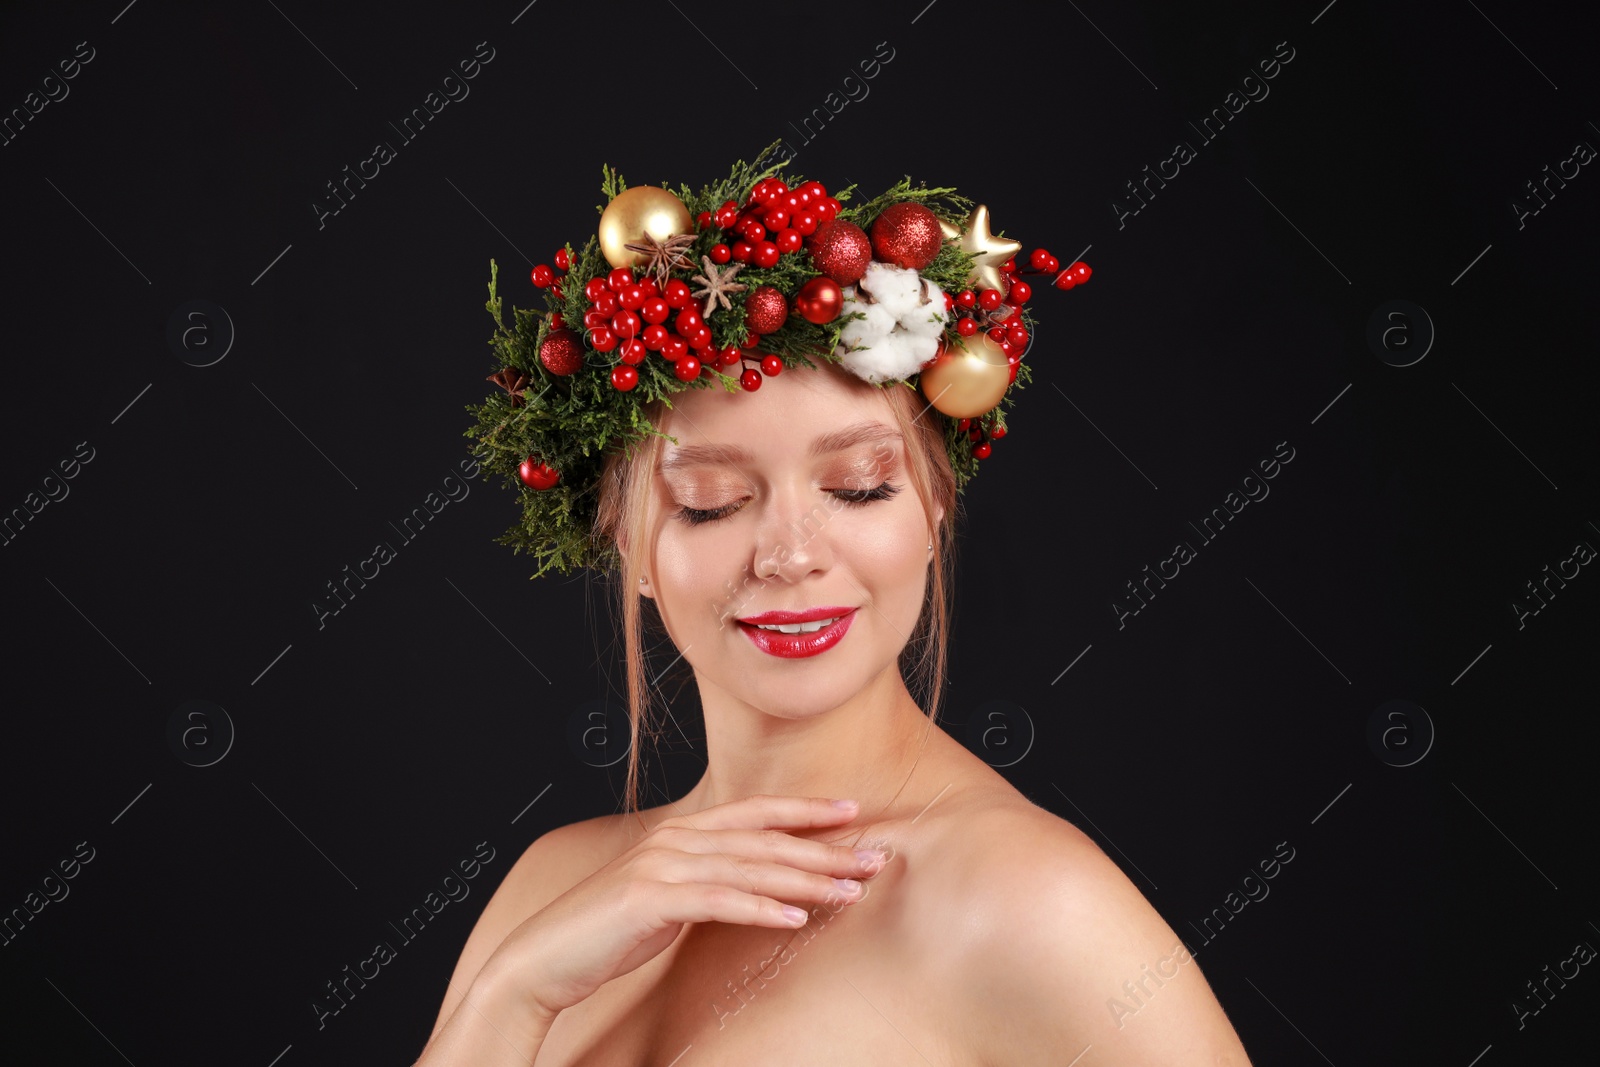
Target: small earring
{"points": [[930, 548], [641, 580]]}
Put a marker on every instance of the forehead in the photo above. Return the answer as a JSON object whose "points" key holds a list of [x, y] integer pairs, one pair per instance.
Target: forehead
{"points": [[867, 432], [805, 411]]}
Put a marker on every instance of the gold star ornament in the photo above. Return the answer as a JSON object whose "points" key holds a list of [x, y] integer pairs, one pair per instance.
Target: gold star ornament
{"points": [[990, 250]]}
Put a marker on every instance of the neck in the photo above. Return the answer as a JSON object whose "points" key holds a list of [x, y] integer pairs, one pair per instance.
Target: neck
{"points": [[864, 749]]}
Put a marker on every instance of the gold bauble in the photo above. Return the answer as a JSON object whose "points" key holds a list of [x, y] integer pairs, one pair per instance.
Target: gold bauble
{"points": [[991, 251], [636, 212], [966, 383]]}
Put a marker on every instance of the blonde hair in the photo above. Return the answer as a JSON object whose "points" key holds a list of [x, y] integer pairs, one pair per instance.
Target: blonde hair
{"points": [[623, 514]]}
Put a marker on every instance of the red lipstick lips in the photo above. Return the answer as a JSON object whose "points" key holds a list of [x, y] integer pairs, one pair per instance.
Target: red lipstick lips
{"points": [[797, 645]]}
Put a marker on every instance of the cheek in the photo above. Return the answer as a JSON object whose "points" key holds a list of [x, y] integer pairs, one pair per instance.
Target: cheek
{"points": [[887, 543], [698, 577]]}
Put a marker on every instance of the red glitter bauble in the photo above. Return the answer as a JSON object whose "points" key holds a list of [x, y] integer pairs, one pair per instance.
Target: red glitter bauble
{"points": [[562, 352], [765, 309], [907, 235], [841, 250]]}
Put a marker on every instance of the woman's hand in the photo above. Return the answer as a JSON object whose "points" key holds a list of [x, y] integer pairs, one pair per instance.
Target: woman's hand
{"points": [[731, 863]]}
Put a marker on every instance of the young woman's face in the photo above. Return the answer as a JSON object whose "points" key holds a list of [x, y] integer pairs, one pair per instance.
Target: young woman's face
{"points": [[791, 498]]}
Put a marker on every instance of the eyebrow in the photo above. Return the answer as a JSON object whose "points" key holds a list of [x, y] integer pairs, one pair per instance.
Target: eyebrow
{"points": [[833, 441]]}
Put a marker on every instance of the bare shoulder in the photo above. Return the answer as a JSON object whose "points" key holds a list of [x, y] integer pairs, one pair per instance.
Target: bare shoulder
{"points": [[1055, 949], [556, 861]]}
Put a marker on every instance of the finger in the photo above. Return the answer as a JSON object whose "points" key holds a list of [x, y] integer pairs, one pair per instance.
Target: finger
{"points": [[762, 811], [775, 846], [774, 880], [697, 903]]}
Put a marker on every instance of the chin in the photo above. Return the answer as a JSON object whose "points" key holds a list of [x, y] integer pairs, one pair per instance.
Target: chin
{"points": [[790, 688]]}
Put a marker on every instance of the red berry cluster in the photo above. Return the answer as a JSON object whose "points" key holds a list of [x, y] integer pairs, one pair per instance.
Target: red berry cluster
{"points": [[999, 314], [544, 277], [774, 220], [630, 315], [981, 432]]}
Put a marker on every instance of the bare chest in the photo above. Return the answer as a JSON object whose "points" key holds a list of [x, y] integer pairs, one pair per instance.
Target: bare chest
{"points": [[850, 987]]}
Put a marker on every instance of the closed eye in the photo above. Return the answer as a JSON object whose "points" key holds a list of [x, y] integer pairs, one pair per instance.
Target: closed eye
{"points": [[851, 497]]}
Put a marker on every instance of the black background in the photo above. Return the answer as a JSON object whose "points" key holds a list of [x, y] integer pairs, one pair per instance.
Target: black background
{"points": [[1229, 314]]}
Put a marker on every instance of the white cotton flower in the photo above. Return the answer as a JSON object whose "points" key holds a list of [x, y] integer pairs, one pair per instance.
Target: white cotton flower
{"points": [[902, 326]]}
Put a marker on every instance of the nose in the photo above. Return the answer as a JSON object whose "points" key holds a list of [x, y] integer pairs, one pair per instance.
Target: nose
{"points": [[792, 539]]}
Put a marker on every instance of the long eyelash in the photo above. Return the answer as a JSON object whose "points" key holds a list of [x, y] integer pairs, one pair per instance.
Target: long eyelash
{"points": [[858, 497], [694, 517], [851, 497]]}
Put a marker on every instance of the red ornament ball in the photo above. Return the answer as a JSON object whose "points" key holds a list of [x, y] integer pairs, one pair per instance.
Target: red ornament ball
{"points": [[721, 253], [841, 250], [563, 261], [982, 451], [771, 366], [624, 377], [765, 309], [535, 475], [820, 300], [686, 369], [907, 235], [561, 352], [543, 275], [750, 379]]}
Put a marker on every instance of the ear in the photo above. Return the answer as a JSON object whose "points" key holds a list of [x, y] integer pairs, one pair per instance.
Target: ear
{"points": [[645, 587]]}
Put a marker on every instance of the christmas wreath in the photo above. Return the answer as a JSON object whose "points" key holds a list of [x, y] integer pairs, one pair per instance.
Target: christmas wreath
{"points": [[726, 287]]}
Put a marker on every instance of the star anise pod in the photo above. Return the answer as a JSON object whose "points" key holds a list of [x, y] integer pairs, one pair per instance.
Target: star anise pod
{"points": [[513, 380], [716, 286], [664, 256]]}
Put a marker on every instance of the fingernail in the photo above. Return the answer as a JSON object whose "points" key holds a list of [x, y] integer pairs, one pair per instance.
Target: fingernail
{"points": [[844, 803], [848, 886], [794, 914], [869, 856]]}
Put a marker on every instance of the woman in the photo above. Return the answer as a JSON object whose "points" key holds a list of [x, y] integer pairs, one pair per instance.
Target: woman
{"points": [[841, 859], [983, 930]]}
